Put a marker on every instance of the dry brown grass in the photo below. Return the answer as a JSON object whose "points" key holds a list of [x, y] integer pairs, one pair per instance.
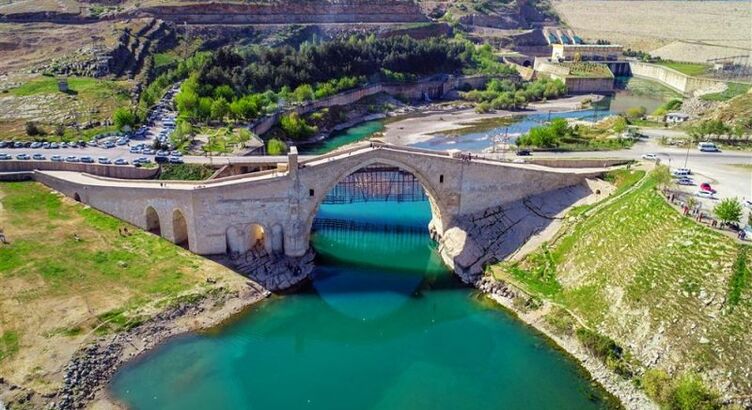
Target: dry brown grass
{"points": [[649, 25]]}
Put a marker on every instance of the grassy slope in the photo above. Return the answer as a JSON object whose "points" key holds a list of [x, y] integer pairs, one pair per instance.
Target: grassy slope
{"points": [[654, 281], [59, 292], [92, 99], [693, 69]]}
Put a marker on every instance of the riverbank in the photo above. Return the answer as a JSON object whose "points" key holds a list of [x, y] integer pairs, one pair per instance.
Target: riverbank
{"points": [[416, 128], [96, 364], [518, 302], [630, 396]]}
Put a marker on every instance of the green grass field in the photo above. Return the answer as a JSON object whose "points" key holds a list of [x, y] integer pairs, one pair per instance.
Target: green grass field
{"points": [[733, 90], [76, 85], [68, 274], [692, 69], [635, 268]]}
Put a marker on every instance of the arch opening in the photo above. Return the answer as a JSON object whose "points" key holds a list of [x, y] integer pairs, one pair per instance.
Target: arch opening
{"points": [[77, 197], [152, 221], [379, 180], [247, 238], [180, 229]]}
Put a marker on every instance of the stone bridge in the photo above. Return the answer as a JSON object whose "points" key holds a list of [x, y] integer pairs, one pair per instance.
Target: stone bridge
{"points": [[276, 208]]}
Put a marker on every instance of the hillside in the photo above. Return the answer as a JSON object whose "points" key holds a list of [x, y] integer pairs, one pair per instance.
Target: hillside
{"points": [[675, 295], [70, 276]]}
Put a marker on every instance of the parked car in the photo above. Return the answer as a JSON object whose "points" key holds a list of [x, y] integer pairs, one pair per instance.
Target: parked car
{"points": [[121, 141], [23, 157], [681, 172], [176, 154], [56, 158], [54, 145], [707, 147], [650, 157], [109, 144], [36, 145], [87, 159], [148, 151], [38, 157], [5, 157], [121, 161], [161, 159], [104, 160], [176, 160], [705, 194], [706, 187], [523, 152], [685, 181], [71, 158], [135, 150], [3, 144]]}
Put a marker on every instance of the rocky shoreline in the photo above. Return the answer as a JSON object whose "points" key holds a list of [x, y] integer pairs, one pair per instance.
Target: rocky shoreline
{"points": [[93, 366], [630, 396]]}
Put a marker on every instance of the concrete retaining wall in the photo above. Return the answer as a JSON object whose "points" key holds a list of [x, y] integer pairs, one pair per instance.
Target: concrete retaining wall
{"points": [[112, 171], [414, 91], [671, 78]]}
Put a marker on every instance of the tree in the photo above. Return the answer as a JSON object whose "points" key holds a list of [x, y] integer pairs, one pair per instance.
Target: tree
{"points": [[728, 210], [123, 117], [224, 91], [304, 92], [276, 147], [59, 130], [662, 176], [219, 109], [296, 127]]}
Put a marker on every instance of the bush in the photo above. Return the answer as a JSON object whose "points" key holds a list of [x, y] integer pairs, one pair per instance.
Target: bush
{"points": [[689, 393], [729, 210], [276, 147], [32, 129], [657, 385], [635, 113]]}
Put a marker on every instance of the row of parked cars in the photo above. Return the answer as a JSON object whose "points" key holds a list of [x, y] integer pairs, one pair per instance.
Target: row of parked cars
{"points": [[161, 156], [70, 158]]}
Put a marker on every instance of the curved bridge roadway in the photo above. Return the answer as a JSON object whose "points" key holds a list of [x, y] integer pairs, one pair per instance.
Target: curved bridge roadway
{"points": [[218, 216]]}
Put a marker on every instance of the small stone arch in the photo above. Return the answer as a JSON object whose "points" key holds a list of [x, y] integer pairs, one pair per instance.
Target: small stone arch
{"points": [[77, 197], [180, 229], [527, 63], [247, 237], [152, 221]]}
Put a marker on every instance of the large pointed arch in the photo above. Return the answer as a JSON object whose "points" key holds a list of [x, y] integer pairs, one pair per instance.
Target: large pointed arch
{"points": [[438, 207]]}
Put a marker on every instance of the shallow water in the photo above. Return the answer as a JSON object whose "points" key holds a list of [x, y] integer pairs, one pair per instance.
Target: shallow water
{"points": [[338, 139], [383, 326]]}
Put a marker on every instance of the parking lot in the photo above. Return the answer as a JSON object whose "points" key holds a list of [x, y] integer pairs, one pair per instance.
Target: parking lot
{"points": [[129, 148]]}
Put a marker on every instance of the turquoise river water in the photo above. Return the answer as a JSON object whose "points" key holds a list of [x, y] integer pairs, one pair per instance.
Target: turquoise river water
{"points": [[383, 325]]}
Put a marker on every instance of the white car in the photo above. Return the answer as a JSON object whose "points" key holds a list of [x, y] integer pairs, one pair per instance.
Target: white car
{"points": [[685, 181], [706, 194], [650, 157]]}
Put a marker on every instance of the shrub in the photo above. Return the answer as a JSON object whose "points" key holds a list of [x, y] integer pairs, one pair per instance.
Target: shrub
{"points": [[690, 393], [32, 129], [657, 385], [728, 210], [276, 147]]}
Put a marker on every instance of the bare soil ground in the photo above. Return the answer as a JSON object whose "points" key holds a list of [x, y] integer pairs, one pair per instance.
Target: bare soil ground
{"points": [[25, 45], [716, 28]]}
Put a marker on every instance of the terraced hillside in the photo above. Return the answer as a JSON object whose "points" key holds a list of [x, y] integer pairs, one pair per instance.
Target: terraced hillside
{"points": [[676, 295]]}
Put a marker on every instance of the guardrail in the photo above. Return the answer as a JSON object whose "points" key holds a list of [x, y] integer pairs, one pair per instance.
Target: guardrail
{"points": [[112, 171]]}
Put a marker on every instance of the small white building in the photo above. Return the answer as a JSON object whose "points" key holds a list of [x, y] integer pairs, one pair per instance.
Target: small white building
{"points": [[676, 117]]}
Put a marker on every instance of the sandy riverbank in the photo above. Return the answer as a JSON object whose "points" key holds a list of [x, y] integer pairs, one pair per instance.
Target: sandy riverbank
{"points": [[418, 128]]}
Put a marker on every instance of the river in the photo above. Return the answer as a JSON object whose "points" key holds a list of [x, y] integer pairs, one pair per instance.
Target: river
{"points": [[383, 325], [631, 92]]}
